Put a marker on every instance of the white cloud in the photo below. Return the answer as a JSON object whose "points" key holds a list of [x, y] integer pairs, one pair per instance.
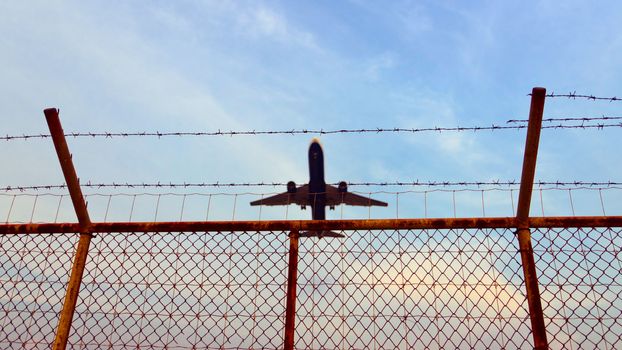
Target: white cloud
{"points": [[380, 63], [114, 78], [431, 109], [262, 21]]}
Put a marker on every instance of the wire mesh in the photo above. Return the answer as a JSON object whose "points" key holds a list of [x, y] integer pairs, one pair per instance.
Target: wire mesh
{"points": [[581, 286], [183, 291], [34, 270], [46, 207], [391, 289], [432, 289]]}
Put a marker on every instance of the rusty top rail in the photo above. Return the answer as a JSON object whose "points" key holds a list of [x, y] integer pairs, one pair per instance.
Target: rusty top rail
{"points": [[287, 225]]}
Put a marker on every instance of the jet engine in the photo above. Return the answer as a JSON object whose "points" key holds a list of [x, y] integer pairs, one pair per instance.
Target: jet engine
{"points": [[343, 187], [291, 187]]}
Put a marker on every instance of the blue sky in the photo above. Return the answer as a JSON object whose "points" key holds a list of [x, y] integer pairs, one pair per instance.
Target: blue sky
{"points": [[209, 65], [248, 65]]}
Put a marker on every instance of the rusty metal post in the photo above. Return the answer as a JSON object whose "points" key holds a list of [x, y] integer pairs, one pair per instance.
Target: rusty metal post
{"points": [[536, 110], [292, 277], [79, 262]]}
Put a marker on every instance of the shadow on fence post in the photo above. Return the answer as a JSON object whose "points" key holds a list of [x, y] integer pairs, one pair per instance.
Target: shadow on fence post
{"points": [[536, 110], [292, 277], [79, 261]]}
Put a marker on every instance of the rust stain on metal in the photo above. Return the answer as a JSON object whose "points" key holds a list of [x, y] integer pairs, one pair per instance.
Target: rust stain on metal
{"points": [[82, 251], [532, 141], [288, 225], [292, 278]]}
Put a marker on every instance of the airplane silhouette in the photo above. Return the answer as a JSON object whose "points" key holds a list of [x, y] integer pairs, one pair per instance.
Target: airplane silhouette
{"points": [[317, 194]]}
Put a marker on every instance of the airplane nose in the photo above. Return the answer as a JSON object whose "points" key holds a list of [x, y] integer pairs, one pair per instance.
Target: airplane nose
{"points": [[315, 144]]}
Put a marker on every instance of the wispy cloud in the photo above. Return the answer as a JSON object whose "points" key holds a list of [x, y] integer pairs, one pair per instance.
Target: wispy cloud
{"points": [[376, 65], [262, 21], [130, 85]]}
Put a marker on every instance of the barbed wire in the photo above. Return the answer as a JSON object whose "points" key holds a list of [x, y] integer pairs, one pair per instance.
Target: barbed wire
{"points": [[574, 95], [364, 193], [416, 183], [263, 132], [581, 119], [158, 134]]}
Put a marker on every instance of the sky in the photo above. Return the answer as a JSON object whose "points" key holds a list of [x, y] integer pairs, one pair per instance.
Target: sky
{"points": [[168, 66], [276, 65]]}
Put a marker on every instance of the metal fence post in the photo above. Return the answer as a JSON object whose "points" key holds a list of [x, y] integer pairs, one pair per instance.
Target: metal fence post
{"points": [[536, 110], [79, 262], [292, 277]]}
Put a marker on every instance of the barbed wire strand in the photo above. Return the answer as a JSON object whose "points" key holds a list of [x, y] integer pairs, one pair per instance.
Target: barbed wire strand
{"points": [[573, 95], [415, 183], [158, 134], [567, 119], [257, 194]]}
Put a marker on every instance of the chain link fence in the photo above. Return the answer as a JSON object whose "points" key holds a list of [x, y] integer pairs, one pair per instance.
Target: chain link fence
{"points": [[34, 271], [580, 275], [391, 289]]}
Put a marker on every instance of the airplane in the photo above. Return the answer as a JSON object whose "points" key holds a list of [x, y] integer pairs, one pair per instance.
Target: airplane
{"points": [[317, 194]]}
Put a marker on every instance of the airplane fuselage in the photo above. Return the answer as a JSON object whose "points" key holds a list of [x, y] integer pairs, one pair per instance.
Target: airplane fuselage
{"points": [[317, 185]]}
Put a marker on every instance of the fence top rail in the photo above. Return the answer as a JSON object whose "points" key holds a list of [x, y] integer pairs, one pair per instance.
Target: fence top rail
{"points": [[315, 225]]}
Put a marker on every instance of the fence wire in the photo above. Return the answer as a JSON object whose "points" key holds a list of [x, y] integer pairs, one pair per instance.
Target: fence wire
{"points": [[574, 96], [580, 275], [219, 184], [404, 289], [183, 290], [34, 271], [320, 132], [432, 289], [560, 199]]}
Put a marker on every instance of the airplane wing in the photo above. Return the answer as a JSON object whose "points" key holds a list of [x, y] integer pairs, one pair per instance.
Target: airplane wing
{"points": [[300, 197], [335, 197]]}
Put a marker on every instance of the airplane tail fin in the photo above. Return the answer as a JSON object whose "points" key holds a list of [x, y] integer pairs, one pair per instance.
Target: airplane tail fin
{"points": [[321, 234]]}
